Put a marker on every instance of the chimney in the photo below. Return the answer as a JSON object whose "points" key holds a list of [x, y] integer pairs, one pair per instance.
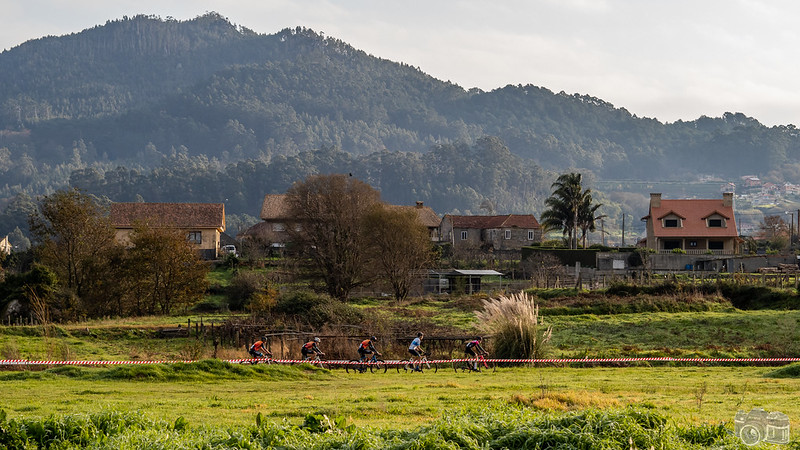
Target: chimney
{"points": [[655, 200], [727, 199], [419, 204]]}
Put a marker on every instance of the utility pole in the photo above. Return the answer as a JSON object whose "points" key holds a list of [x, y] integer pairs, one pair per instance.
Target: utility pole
{"points": [[603, 231], [623, 229]]}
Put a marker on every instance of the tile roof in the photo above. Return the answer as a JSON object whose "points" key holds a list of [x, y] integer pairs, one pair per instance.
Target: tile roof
{"points": [[179, 215], [425, 214], [693, 213], [485, 222], [274, 207]]}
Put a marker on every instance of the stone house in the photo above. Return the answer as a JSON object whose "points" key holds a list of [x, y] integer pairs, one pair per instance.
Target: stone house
{"points": [[496, 233]]}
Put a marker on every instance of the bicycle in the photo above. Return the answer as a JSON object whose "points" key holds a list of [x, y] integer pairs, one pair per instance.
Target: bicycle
{"points": [[424, 364], [373, 364], [259, 357], [470, 366], [316, 361]]}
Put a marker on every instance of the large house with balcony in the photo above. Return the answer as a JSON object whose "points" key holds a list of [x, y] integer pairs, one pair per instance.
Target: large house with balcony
{"points": [[696, 226]]}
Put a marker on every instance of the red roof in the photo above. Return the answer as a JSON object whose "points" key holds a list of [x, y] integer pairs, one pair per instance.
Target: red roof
{"points": [[693, 214], [178, 215], [486, 222]]}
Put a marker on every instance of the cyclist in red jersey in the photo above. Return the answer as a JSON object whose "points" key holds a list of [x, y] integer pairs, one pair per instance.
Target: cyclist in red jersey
{"points": [[310, 349], [367, 347], [259, 349]]}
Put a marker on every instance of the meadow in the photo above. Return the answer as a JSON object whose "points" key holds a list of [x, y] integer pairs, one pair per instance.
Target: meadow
{"points": [[217, 396], [213, 404]]}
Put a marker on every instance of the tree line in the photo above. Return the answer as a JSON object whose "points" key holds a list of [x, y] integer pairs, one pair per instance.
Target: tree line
{"points": [[340, 232], [79, 270]]}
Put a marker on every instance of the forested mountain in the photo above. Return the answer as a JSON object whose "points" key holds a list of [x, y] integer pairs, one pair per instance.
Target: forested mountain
{"points": [[203, 110]]}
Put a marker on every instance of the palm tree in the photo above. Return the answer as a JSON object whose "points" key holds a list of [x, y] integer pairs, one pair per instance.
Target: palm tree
{"points": [[570, 208]]}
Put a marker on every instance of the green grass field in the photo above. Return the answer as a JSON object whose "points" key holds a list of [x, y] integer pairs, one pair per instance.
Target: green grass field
{"points": [[391, 400], [390, 410]]}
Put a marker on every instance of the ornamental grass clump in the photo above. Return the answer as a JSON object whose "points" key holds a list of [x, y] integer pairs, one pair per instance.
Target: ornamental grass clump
{"points": [[515, 326]]}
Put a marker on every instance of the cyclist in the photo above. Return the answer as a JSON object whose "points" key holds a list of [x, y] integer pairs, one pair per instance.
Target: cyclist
{"points": [[259, 349], [310, 349], [367, 347], [416, 352], [473, 349]]}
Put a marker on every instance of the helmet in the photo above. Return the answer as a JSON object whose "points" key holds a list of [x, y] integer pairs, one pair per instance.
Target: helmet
{"points": [[373, 338], [478, 338], [419, 334], [263, 338], [316, 339]]}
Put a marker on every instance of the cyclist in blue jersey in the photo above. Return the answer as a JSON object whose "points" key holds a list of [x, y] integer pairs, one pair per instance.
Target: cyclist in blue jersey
{"points": [[416, 352]]}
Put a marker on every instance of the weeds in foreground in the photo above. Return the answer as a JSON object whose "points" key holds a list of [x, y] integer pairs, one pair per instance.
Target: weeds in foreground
{"points": [[494, 426]]}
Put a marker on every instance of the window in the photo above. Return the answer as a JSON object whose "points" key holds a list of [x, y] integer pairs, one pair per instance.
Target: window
{"points": [[463, 235], [195, 237], [716, 245], [531, 235], [669, 245], [508, 234], [671, 223], [278, 227], [715, 223], [693, 244]]}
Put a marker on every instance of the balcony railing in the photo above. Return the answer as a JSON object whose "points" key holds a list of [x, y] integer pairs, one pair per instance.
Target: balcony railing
{"points": [[695, 251]]}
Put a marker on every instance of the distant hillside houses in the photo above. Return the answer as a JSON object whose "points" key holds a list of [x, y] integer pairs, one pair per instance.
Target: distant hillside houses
{"points": [[761, 194]]}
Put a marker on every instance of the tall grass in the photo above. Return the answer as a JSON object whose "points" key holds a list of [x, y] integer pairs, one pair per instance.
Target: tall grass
{"points": [[515, 326], [495, 427]]}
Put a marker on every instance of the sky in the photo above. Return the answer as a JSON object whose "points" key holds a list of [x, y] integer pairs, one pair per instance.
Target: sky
{"points": [[665, 59]]}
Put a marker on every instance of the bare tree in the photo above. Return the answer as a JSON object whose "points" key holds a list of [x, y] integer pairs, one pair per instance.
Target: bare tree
{"points": [[327, 214]]}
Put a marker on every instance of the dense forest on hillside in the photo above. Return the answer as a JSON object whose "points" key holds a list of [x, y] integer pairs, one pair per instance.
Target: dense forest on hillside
{"points": [[204, 110]]}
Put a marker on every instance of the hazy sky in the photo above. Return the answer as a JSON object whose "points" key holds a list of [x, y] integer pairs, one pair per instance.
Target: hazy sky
{"points": [[668, 59]]}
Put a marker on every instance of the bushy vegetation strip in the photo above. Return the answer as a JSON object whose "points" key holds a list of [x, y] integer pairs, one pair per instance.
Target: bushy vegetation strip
{"points": [[206, 370], [493, 427]]}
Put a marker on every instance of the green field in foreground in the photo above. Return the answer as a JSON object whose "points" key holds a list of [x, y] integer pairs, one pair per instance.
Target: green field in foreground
{"points": [[222, 394]]}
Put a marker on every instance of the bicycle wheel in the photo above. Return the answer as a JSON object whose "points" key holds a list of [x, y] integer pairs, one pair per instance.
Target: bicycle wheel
{"points": [[353, 366], [427, 365], [378, 366], [488, 365], [403, 366]]}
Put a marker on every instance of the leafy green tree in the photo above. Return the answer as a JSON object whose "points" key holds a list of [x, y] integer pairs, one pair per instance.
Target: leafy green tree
{"points": [[327, 213], [400, 244], [74, 237], [39, 282], [163, 271]]}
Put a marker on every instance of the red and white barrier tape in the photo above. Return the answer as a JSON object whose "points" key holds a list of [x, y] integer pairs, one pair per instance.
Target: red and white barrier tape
{"points": [[25, 362]]}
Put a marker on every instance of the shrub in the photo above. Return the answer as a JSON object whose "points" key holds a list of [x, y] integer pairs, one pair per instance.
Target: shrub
{"points": [[514, 323], [317, 310], [242, 287]]}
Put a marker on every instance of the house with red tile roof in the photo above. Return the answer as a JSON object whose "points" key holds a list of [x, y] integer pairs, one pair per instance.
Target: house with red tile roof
{"points": [[506, 232], [697, 226], [203, 223]]}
